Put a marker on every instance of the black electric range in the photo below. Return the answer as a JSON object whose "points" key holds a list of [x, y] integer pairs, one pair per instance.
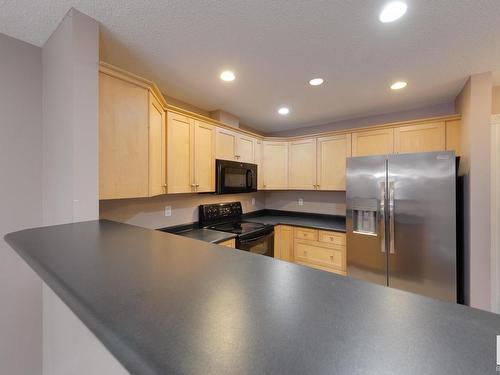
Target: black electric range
{"points": [[227, 217]]}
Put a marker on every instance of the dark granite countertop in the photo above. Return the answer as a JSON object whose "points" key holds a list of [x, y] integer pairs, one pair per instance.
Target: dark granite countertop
{"points": [[196, 233], [300, 219], [207, 235], [165, 304]]}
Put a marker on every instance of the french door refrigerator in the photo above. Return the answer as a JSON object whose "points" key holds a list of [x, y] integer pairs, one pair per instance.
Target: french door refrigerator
{"points": [[401, 222]]}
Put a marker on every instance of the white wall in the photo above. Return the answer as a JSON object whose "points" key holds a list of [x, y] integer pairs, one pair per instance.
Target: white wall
{"points": [[475, 104], [495, 213], [70, 61], [20, 203], [418, 113], [321, 202], [150, 212]]}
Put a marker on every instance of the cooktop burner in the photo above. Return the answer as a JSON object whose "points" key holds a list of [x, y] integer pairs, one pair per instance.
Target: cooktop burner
{"points": [[242, 227]]}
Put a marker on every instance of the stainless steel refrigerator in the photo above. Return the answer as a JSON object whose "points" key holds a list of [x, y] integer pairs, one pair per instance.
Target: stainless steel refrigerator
{"points": [[401, 222]]}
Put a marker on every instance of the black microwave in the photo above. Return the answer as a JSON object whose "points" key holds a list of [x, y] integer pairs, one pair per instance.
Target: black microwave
{"points": [[233, 177]]}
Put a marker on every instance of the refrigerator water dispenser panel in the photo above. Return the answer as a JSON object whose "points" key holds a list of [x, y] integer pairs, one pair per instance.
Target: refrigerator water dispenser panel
{"points": [[365, 216], [365, 222]]}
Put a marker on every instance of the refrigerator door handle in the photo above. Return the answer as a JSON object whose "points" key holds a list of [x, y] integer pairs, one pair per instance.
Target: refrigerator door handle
{"points": [[382, 217], [392, 249]]}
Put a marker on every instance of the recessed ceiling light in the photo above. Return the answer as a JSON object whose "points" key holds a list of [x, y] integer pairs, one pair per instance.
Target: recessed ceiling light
{"points": [[392, 11], [316, 81], [283, 111], [227, 76], [398, 85]]}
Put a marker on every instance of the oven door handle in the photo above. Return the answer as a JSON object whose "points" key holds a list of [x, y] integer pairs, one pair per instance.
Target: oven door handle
{"points": [[253, 239]]}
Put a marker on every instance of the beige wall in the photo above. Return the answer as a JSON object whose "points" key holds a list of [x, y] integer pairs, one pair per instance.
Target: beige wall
{"points": [[495, 108], [150, 212], [70, 61], [321, 202], [475, 103], [424, 112], [20, 203]]}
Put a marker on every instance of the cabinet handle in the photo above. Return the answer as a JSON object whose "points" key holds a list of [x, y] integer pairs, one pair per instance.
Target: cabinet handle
{"points": [[197, 185], [193, 185]]}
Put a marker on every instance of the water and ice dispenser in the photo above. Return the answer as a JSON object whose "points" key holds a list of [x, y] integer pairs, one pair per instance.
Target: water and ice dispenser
{"points": [[364, 216]]}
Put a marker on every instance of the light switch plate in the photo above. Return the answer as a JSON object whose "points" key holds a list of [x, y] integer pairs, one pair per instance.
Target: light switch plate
{"points": [[253, 201], [301, 202], [168, 210]]}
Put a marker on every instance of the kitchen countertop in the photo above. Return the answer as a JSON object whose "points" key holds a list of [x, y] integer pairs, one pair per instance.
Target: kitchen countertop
{"points": [[318, 221], [165, 304], [203, 234]]}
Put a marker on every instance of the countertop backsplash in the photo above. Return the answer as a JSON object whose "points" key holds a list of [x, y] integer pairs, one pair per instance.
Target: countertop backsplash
{"points": [[150, 212]]}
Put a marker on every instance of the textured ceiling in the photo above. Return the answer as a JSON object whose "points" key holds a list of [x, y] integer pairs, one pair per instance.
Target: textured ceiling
{"points": [[276, 46]]}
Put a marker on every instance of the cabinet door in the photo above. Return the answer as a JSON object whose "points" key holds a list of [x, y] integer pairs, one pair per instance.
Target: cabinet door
{"points": [[179, 154], [420, 138], [204, 156], [225, 144], [319, 255], [283, 242], [123, 139], [332, 154], [302, 164], [245, 149], [258, 161], [157, 152], [373, 142], [453, 137], [275, 163]]}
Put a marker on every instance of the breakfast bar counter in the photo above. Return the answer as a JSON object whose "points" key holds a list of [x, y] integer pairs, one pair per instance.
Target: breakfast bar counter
{"points": [[166, 304]]}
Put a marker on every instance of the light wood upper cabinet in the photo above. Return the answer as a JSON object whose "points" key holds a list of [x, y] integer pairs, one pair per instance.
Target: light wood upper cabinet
{"points": [[180, 135], [258, 161], [190, 155], [275, 165], [245, 150], [231, 145], [453, 137], [331, 161], [302, 164], [131, 140], [373, 142], [226, 141], [420, 138], [204, 157], [157, 148]]}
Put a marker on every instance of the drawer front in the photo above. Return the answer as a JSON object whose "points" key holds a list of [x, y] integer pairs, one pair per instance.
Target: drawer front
{"points": [[333, 238], [228, 243], [306, 234], [314, 253]]}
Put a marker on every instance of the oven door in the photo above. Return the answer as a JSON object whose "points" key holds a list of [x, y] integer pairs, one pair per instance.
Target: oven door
{"points": [[233, 177], [261, 244]]}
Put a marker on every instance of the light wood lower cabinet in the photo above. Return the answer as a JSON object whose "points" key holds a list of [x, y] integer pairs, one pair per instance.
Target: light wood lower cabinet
{"points": [[131, 140], [228, 243], [190, 155], [325, 250], [420, 138], [283, 242]]}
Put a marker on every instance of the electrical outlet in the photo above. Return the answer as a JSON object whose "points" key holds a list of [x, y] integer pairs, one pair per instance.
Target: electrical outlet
{"points": [[253, 201], [168, 210], [301, 202]]}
